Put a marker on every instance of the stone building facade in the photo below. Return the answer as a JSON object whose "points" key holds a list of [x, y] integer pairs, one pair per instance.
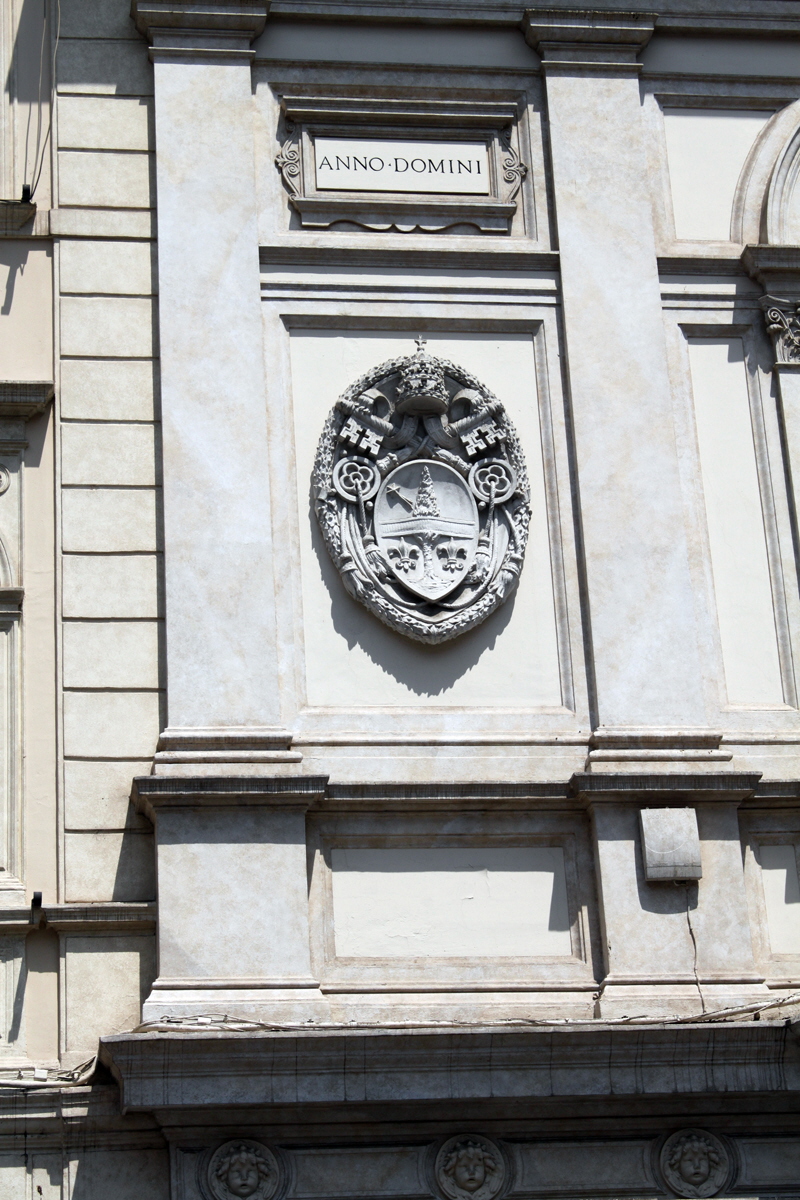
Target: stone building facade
{"points": [[399, 605]]}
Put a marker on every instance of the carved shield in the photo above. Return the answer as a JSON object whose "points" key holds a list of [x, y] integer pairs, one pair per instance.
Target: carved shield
{"points": [[427, 527], [421, 493]]}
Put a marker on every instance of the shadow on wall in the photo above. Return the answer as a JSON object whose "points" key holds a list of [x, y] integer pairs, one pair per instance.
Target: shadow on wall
{"points": [[36, 997], [124, 1174], [425, 670], [28, 60], [28, 85], [135, 878]]}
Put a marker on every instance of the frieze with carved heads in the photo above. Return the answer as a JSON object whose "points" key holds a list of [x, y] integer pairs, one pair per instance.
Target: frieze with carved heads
{"points": [[470, 1167], [421, 493], [240, 1170], [694, 1164]]}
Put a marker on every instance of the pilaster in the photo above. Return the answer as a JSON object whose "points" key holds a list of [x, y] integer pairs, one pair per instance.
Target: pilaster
{"points": [[679, 945], [222, 673], [650, 681], [19, 401], [233, 933], [777, 269]]}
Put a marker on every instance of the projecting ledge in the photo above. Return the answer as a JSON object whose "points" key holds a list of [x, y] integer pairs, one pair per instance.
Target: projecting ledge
{"points": [[383, 1066], [728, 788], [152, 793]]}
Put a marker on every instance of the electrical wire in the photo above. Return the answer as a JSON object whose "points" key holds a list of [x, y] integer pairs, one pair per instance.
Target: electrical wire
{"points": [[38, 173], [39, 92], [225, 1024], [61, 1080]]}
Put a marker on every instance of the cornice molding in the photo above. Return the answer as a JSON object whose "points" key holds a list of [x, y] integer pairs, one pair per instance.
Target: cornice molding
{"points": [[20, 399], [152, 793], [571, 41], [447, 1065], [749, 18], [185, 29]]}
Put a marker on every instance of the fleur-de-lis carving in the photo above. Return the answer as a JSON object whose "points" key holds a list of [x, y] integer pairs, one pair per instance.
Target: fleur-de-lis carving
{"points": [[405, 558], [452, 557]]}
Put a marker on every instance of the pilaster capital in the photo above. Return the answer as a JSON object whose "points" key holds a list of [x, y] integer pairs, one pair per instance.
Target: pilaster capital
{"points": [[777, 269], [574, 40], [782, 319], [190, 29]]}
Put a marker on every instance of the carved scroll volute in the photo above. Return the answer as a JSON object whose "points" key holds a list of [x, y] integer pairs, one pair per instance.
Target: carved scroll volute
{"points": [[782, 318], [288, 159], [514, 169]]}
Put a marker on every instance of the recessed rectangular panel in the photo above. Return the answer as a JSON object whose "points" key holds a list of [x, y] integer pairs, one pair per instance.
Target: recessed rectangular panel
{"points": [[735, 522], [706, 151], [782, 897], [358, 164], [450, 902], [351, 658]]}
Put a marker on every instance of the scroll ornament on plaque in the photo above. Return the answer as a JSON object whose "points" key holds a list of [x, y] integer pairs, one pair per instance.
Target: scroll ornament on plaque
{"points": [[422, 497]]}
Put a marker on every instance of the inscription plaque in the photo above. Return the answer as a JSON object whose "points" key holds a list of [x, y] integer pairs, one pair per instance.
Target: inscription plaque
{"points": [[363, 165]]}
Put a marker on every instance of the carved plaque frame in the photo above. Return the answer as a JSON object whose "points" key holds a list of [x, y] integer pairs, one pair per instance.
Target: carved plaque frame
{"points": [[496, 124]]}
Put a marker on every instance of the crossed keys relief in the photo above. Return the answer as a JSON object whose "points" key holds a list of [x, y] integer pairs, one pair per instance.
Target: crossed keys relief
{"points": [[421, 494]]}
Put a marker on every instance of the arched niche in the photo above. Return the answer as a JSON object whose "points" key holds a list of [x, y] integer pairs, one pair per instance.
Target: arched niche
{"points": [[6, 573], [763, 203]]}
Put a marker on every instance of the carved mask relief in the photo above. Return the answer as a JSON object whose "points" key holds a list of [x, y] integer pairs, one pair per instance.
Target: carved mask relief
{"points": [[694, 1163], [421, 494], [241, 1170], [470, 1168]]}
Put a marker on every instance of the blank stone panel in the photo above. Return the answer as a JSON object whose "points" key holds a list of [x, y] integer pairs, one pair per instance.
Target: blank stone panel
{"points": [[108, 520], [108, 390], [450, 902], [106, 179], [682, 55], [97, 794], [706, 150], [107, 326], [125, 268], [26, 331], [12, 1022], [322, 41], [97, 19], [103, 123], [782, 897], [114, 455], [325, 1173], [735, 522], [601, 1168], [108, 585], [125, 1174], [118, 68], [104, 979], [114, 866], [111, 724], [110, 654], [14, 1176]]}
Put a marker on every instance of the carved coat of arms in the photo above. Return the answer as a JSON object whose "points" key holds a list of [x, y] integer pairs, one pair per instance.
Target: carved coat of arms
{"points": [[422, 496]]}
